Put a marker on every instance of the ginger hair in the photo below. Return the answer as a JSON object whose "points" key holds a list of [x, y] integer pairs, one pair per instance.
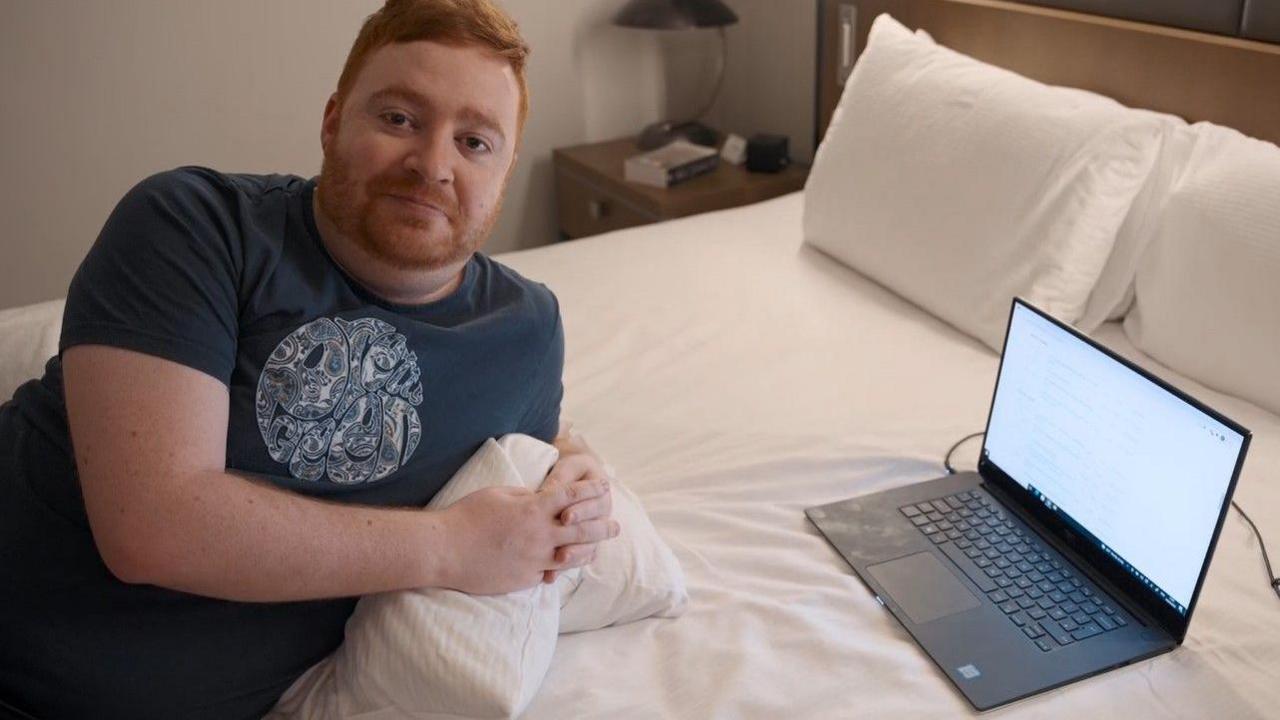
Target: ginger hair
{"points": [[472, 22]]}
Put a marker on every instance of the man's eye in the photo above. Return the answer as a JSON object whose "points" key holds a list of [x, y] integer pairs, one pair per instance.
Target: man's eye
{"points": [[397, 119], [476, 144]]}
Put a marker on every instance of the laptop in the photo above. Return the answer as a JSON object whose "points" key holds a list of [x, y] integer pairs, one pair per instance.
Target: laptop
{"points": [[1081, 542]]}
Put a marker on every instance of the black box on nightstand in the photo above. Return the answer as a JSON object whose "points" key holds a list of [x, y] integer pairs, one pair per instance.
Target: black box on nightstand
{"points": [[767, 153]]}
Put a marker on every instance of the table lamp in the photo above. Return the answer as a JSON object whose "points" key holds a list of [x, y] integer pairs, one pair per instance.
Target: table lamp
{"points": [[680, 15]]}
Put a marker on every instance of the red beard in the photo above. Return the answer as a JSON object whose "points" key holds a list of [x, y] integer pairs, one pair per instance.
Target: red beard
{"points": [[392, 231]]}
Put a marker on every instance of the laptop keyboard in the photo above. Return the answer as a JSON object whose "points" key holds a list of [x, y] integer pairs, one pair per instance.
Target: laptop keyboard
{"points": [[1045, 599]]}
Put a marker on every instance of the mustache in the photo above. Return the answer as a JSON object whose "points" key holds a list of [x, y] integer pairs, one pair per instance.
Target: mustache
{"points": [[421, 193]]}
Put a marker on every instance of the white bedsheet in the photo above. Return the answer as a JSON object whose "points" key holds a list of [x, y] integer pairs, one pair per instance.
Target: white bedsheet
{"points": [[735, 378]]}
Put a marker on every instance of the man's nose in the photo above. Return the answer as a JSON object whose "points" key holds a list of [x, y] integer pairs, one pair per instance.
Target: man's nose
{"points": [[432, 157]]}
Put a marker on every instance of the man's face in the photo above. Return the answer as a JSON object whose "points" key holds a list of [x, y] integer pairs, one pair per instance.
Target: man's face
{"points": [[417, 155]]}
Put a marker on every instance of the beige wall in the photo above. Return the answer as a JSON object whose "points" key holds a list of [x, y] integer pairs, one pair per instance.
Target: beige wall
{"points": [[100, 94], [769, 85]]}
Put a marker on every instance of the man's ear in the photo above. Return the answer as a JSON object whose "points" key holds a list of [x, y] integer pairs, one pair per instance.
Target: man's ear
{"points": [[329, 124]]}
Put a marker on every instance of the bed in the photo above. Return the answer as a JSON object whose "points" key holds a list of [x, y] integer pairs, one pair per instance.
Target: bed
{"points": [[733, 375]]}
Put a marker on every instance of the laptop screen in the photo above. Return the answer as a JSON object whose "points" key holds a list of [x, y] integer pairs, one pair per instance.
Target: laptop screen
{"points": [[1129, 465]]}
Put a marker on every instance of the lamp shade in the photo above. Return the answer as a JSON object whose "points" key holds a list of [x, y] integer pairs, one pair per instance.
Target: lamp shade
{"points": [[674, 14]]}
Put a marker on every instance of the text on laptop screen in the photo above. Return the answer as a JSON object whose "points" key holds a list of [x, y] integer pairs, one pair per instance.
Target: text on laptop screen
{"points": [[1141, 470]]}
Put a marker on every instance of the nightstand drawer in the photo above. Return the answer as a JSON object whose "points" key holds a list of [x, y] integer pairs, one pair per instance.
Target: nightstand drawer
{"points": [[586, 209]]}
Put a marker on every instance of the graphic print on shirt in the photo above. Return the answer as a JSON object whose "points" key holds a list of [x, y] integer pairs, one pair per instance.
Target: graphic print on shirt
{"points": [[338, 398]]}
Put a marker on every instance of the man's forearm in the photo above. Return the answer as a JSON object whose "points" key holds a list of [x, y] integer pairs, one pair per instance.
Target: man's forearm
{"points": [[241, 539]]}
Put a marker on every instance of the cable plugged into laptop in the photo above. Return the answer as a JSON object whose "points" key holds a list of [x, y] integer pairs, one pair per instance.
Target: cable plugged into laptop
{"points": [[1266, 559], [946, 462]]}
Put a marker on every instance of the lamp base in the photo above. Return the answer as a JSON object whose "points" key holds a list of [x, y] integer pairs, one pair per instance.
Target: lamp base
{"points": [[661, 133]]}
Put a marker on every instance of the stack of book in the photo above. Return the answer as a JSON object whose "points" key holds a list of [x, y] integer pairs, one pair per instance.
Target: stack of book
{"points": [[671, 164]]}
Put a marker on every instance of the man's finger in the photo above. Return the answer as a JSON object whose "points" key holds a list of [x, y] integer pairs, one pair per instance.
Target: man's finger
{"points": [[572, 556], [571, 469], [599, 507], [590, 531], [559, 498]]}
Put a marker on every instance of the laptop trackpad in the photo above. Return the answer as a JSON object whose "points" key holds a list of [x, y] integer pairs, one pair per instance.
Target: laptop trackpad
{"points": [[922, 587]]}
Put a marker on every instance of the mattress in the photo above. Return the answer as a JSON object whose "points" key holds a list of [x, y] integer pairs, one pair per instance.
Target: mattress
{"points": [[734, 377]]}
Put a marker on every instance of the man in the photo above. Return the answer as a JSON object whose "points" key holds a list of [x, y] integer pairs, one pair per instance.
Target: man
{"points": [[262, 380]]}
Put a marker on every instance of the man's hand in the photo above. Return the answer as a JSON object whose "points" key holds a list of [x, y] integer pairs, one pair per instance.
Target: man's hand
{"points": [[506, 539], [577, 463]]}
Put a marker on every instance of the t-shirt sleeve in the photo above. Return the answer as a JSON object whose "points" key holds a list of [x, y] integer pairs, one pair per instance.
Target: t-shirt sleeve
{"points": [[542, 419], [163, 276]]}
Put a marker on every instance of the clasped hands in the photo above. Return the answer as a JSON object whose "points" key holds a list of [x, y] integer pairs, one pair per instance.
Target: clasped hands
{"points": [[513, 538], [588, 513]]}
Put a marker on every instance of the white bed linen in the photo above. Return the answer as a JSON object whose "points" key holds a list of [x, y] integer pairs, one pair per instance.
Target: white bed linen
{"points": [[734, 378], [28, 338]]}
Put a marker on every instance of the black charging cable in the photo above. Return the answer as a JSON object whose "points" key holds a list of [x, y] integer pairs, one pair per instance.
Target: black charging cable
{"points": [[1266, 559], [946, 462]]}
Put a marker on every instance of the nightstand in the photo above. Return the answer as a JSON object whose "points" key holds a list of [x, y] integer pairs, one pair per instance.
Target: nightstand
{"points": [[592, 197]]}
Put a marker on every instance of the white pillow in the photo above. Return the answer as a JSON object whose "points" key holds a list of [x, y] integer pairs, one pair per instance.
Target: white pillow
{"points": [[435, 652], [630, 580], [1207, 293], [1113, 295], [442, 651], [28, 338], [959, 185]]}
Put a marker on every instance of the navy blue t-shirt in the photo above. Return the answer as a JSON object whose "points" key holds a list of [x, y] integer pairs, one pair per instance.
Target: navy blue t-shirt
{"points": [[333, 392]]}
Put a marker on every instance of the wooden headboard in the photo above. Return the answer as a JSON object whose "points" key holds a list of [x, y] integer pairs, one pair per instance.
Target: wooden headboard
{"points": [[1195, 75]]}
